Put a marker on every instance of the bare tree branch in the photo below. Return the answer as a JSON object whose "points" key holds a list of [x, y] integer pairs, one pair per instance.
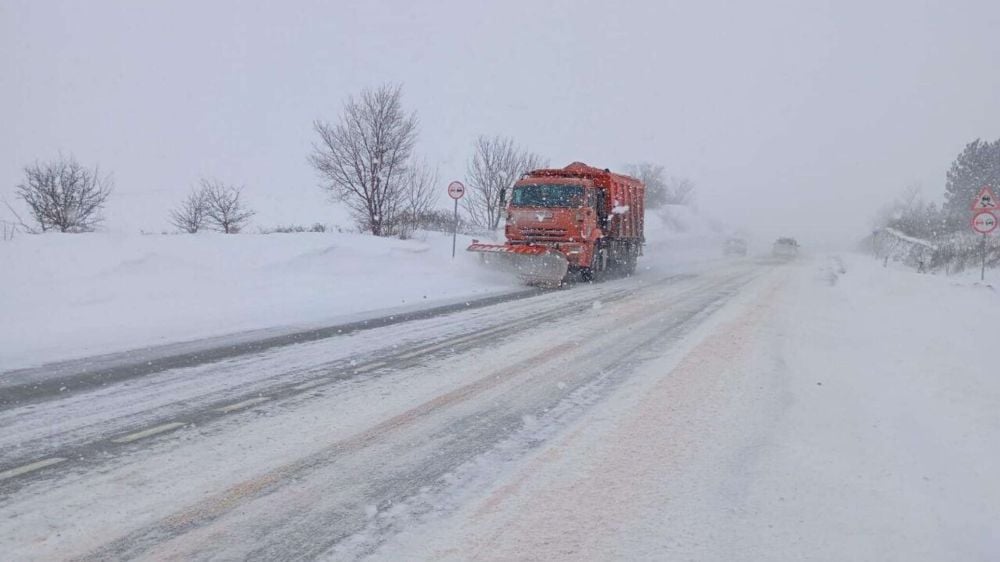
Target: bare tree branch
{"points": [[680, 190], [191, 214], [17, 216], [495, 165], [418, 197], [660, 189], [63, 195], [224, 210], [363, 158]]}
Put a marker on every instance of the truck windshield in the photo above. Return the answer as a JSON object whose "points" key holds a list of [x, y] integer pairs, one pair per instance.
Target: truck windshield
{"points": [[547, 195]]}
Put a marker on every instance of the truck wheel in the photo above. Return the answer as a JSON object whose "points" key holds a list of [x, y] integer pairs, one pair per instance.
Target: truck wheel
{"points": [[630, 263], [592, 273]]}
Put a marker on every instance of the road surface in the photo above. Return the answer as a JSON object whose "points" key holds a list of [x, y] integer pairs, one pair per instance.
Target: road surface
{"points": [[334, 446]]}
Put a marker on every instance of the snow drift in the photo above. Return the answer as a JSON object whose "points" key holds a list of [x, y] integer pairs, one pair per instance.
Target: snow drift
{"points": [[67, 296]]}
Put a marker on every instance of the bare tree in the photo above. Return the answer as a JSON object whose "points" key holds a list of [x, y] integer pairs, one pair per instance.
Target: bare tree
{"points": [[660, 189], [680, 190], [190, 215], [653, 177], [911, 214], [224, 210], [419, 195], [363, 158], [496, 164], [63, 195]]}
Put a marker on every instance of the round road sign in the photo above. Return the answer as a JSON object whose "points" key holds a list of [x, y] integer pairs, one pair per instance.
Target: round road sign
{"points": [[984, 222], [456, 190]]}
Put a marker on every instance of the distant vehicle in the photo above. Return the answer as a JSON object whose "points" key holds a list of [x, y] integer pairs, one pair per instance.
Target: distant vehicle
{"points": [[735, 247], [785, 248]]}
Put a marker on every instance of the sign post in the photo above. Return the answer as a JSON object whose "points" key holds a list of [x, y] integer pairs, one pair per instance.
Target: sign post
{"points": [[982, 268], [456, 190], [984, 221]]}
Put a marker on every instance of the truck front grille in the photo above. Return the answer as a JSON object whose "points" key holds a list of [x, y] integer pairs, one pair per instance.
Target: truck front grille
{"points": [[540, 234]]}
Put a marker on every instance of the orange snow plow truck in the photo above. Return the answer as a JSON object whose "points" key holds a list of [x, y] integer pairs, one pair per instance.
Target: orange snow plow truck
{"points": [[576, 221]]}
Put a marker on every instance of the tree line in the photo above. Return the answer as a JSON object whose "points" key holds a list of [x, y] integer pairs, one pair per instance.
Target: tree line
{"points": [[366, 160], [975, 167], [946, 241]]}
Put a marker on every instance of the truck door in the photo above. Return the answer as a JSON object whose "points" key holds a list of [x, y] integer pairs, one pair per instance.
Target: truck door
{"points": [[602, 210]]}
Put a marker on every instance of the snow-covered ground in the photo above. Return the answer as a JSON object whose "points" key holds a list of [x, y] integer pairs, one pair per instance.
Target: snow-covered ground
{"points": [[822, 409], [65, 296], [71, 295], [847, 412]]}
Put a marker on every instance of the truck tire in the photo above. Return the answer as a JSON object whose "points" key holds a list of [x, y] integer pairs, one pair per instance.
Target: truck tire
{"points": [[631, 261], [596, 270]]}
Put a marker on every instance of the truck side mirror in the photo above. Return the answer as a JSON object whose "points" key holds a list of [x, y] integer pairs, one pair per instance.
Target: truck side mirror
{"points": [[503, 196]]}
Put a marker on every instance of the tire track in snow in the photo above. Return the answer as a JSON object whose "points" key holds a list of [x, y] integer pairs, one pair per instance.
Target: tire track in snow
{"points": [[581, 515], [297, 516], [89, 442], [214, 507]]}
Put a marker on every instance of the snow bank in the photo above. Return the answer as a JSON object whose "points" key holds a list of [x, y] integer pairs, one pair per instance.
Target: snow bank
{"points": [[66, 296], [887, 449]]}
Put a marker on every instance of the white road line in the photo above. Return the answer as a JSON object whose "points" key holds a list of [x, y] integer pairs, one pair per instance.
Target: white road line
{"points": [[30, 467], [243, 404], [147, 432], [370, 367]]}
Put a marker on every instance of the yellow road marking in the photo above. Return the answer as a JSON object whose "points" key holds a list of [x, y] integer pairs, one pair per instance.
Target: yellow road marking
{"points": [[30, 467], [243, 404], [147, 432]]}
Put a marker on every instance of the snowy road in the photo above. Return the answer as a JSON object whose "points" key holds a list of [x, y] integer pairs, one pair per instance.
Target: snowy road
{"points": [[692, 415], [224, 458]]}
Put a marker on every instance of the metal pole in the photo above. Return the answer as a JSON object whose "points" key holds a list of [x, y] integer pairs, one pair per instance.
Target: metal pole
{"points": [[982, 272], [454, 232]]}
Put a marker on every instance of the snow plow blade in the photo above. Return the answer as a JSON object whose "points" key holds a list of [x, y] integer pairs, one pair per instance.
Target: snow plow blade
{"points": [[535, 265]]}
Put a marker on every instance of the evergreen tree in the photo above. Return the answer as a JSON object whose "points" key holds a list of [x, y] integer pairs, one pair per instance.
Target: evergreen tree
{"points": [[977, 166]]}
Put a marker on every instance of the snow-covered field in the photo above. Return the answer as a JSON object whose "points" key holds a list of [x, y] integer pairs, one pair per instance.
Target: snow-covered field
{"points": [[71, 295]]}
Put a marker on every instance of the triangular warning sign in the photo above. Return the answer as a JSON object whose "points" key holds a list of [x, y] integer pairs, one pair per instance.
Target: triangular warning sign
{"points": [[985, 201]]}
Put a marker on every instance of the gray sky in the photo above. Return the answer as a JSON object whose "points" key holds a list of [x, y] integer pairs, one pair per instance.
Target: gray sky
{"points": [[794, 116]]}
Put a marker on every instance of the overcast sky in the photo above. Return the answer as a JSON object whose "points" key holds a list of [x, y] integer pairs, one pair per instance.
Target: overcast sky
{"points": [[794, 116]]}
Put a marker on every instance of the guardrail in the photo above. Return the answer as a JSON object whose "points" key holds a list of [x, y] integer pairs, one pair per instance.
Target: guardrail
{"points": [[952, 254], [891, 244]]}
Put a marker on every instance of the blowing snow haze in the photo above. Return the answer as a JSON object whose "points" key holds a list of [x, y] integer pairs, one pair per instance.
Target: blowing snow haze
{"points": [[695, 305], [790, 117]]}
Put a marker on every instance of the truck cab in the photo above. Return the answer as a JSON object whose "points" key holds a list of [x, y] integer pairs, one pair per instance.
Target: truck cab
{"points": [[563, 213]]}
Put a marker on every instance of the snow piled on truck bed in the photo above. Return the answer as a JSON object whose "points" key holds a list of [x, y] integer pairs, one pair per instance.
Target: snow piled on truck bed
{"points": [[64, 296]]}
